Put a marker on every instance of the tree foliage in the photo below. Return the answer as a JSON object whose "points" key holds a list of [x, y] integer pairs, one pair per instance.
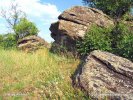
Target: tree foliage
{"points": [[19, 26], [97, 38], [117, 40], [114, 8], [25, 28], [123, 41], [8, 41]]}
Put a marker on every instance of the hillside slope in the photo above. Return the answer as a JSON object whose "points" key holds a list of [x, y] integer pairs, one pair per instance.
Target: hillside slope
{"points": [[41, 75]]}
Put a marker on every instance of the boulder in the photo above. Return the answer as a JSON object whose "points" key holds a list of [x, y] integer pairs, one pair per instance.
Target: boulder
{"points": [[74, 23], [103, 74], [32, 43]]}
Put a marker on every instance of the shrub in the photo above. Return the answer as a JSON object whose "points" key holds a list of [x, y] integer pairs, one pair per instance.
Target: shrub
{"points": [[124, 45], [1, 40], [96, 38], [117, 40], [7, 41], [117, 33], [128, 17]]}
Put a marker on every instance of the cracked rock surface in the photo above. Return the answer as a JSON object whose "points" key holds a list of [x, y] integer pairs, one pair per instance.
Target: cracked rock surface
{"points": [[32, 43], [103, 74], [74, 23]]}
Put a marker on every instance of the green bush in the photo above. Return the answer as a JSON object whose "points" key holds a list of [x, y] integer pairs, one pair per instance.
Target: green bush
{"points": [[124, 45], [117, 33], [117, 40], [1, 40], [127, 17], [7, 41], [96, 38]]}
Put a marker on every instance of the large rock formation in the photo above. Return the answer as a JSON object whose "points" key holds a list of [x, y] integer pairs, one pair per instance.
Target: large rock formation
{"points": [[106, 75], [32, 43], [73, 24]]}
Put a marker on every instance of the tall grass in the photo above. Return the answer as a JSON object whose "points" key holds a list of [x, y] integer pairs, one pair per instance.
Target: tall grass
{"points": [[40, 75]]}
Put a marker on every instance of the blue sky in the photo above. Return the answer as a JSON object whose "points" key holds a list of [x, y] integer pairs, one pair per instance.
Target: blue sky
{"points": [[64, 4], [41, 12]]}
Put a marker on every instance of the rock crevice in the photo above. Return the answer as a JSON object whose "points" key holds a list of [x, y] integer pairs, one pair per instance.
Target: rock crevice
{"points": [[126, 74], [32, 43], [104, 73], [73, 24]]}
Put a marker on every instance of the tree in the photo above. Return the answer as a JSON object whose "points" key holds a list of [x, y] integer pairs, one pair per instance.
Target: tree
{"points": [[25, 28], [17, 22], [12, 15], [114, 8]]}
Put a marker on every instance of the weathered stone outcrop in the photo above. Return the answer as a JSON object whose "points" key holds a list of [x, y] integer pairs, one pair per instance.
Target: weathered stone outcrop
{"points": [[32, 43], [74, 23], [106, 75]]}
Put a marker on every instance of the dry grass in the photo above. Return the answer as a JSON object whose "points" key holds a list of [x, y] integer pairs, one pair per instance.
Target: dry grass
{"points": [[41, 75]]}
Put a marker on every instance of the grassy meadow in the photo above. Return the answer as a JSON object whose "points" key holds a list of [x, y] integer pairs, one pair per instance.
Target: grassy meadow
{"points": [[37, 76]]}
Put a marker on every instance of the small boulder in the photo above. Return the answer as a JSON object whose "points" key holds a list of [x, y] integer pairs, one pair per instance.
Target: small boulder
{"points": [[32, 43], [103, 74]]}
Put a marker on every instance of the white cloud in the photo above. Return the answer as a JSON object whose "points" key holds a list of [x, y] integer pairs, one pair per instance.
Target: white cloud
{"points": [[2, 25], [40, 13], [33, 7]]}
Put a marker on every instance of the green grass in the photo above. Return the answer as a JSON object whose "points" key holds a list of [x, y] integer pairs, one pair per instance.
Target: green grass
{"points": [[41, 75]]}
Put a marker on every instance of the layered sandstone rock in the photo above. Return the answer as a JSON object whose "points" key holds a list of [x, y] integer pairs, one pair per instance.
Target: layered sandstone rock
{"points": [[106, 75], [74, 23], [32, 43]]}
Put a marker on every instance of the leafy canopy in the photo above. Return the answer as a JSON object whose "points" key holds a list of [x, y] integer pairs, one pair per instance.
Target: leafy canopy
{"points": [[25, 28], [114, 8], [8, 41]]}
